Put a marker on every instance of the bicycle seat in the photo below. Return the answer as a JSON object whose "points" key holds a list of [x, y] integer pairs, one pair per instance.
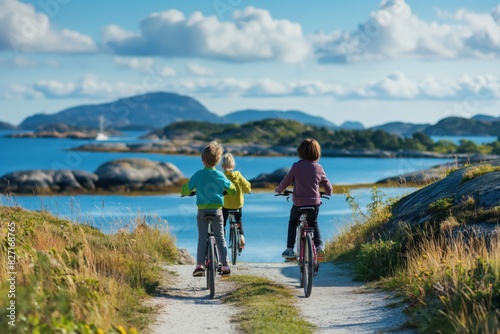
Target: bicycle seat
{"points": [[307, 208], [233, 211], [210, 217]]}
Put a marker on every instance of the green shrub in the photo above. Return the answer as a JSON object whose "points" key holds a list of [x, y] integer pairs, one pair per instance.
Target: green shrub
{"points": [[441, 204], [377, 259]]}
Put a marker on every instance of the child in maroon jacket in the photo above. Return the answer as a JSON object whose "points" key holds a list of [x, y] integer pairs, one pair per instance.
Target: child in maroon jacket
{"points": [[306, 175]]}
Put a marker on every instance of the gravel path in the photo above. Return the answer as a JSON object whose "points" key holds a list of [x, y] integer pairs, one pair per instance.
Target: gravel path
{"points": [[337, 304]]}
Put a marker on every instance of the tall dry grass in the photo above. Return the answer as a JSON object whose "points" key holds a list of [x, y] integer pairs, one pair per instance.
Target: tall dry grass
{"points": [[72, 277], [451, 281]]}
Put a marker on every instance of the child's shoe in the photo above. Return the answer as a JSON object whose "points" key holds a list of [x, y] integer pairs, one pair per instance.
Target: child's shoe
{"points": [[320, 254], [288, 254], [199, 271], [225, 271]]}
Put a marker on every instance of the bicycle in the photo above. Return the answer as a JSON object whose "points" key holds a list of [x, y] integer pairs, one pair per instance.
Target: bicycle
{"points": [[234, 236], [305, 255], [212, 264]]}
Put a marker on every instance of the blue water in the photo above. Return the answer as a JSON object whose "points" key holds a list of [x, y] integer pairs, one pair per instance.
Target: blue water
{"points": [[475, 139], [264, 215]]}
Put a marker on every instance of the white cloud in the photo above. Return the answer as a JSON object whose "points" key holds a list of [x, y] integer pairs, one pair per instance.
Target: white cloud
{"points": [[25, 30], [197, 69], [89, 87], [134, 63], [396, 86], [394, 31], [145, 65], [253, 36], [18, 92]]}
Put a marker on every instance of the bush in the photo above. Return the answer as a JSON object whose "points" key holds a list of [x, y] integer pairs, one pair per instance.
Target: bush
{"points": [[377, 259]]}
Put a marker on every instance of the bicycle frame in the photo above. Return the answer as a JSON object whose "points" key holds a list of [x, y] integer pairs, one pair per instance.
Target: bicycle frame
{"points": [[234, 236], [303, 229], [211, 256], [306, 255]]}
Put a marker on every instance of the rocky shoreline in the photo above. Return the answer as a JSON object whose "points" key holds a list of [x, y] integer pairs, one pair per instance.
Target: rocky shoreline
{"points": [[116, 176], [143, 176], [190, 147]]}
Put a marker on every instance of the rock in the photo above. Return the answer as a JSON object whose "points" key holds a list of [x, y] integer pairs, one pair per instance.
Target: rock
{"points": [[137, 174], [40, 181], [413, 209], [267, 180], [184, 257], [87, 180], [420, 177]]}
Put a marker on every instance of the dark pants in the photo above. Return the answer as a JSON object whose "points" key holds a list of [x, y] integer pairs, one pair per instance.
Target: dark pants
{"points": [[312, 220], [237, 217]]}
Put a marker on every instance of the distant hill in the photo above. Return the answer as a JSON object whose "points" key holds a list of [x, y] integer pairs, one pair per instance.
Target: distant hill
{"points": [[251, 115], [7, 126], [400, 128], [152, 110], [457, 126], [486, 118], [350, 125]]}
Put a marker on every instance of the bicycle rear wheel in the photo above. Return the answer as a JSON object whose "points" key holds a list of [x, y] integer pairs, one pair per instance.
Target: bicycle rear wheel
{"points": [[308, 266], [234, 240], [211, 267]]}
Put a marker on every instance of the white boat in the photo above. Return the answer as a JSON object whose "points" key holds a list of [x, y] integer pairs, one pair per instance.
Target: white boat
{"points": [[101, 135]]}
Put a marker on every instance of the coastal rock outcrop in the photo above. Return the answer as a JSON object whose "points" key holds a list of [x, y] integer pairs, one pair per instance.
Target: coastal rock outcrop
{"points": [[478, 193], [427, 176], [267, 180], [137, 174], [116, 175], [42, 181]]}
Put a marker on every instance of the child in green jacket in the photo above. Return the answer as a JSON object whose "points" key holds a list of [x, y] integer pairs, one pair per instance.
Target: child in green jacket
{"points": [[210, 185]]}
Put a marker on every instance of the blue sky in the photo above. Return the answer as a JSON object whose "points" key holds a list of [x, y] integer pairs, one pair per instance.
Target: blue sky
{"points": [[360, 60]]}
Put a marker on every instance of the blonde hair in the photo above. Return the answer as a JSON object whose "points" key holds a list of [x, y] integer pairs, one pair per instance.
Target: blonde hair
{"points": [[228, 161], [211, 154], [309, 149]]}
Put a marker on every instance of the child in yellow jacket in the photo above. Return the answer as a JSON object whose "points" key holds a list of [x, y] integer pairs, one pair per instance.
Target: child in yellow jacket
{"points": [[234, 202]]}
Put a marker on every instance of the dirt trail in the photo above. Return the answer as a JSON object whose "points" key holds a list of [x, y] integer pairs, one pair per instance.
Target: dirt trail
{"points": [[337, 304]]}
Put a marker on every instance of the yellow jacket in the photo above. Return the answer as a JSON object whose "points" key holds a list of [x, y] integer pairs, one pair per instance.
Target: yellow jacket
{"points": [[242, 187]]}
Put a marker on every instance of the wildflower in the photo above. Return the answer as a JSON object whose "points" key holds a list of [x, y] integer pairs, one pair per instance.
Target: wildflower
{"points": [[121, 330]]}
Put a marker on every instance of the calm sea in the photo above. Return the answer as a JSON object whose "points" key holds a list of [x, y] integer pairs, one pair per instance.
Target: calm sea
{"points": [[265, 216]]}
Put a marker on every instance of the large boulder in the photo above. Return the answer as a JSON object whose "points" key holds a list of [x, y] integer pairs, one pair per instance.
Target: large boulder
{"points": [[137, 174], [419, 207], [42, 181], [267, 180]]}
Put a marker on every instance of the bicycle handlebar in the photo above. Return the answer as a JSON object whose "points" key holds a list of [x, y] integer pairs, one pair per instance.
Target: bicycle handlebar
{"points": [[287, 193], [192, 193]]}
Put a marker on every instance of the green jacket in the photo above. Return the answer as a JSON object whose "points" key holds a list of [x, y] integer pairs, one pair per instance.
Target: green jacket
{"points": [[209, 184]]}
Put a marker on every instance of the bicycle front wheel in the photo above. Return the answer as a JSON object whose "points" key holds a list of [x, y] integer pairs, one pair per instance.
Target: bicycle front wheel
{"points": [[234, 240], [211, 267], [308, 266]]}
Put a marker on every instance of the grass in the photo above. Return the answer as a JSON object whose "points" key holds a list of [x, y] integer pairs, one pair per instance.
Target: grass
{"points": [[73, 278], [476, 171], [265, 307], [451, 283]]}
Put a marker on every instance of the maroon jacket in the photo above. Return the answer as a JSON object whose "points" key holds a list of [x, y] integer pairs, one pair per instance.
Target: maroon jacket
{"points": [[306, 177]]}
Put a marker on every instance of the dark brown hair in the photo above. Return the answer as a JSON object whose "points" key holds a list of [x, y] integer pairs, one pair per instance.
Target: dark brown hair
{"points": [[211, 154], [309, 149]]}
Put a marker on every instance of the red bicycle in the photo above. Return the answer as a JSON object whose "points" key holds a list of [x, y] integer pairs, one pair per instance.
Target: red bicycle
{"points": [[306, 251]]}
